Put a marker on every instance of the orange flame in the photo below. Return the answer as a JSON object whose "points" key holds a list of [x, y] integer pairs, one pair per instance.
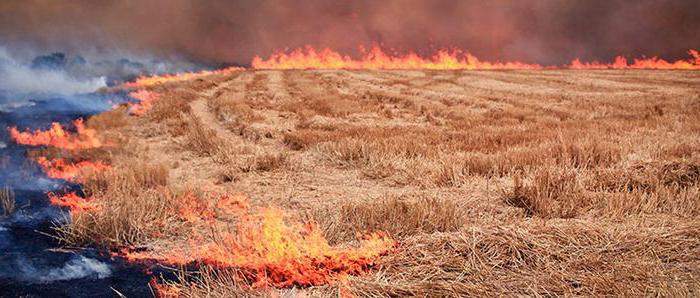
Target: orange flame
{"points": [[310, 58], [146, 99], [376, 58], [59, 169], [642, 63], [192, 209], [271, 248], [145, 81], [58, 137], [72, 201]]}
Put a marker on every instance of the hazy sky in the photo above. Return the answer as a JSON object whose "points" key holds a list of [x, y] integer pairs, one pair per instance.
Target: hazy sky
{"points": [[541, 31]]}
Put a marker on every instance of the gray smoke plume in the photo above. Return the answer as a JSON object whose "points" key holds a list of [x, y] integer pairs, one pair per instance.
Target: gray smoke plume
{"points": [[23, 79], [76, 268]]}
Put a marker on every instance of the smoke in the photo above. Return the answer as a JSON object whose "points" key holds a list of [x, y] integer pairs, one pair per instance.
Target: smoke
{"points": [[77, 267], [537, 31], [18, 78]]}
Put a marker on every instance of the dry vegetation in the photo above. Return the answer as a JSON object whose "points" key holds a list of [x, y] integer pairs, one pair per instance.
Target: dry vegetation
{"points": [[7, 201], [494, 183], [131, 207]]}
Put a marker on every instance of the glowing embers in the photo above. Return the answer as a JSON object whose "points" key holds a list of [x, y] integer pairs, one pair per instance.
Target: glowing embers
{"points": [[310, 58], [270, 247], [72, 201], [146, 99], [145, 81], [642, 63], [58, 137], [60, 169]]}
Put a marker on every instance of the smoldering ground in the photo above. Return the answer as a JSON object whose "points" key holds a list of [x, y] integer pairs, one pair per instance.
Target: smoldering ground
{"points": [[537, 31]]}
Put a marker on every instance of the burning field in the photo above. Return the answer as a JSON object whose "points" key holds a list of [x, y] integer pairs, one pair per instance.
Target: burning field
{"points": [[363, 181], [349, 148]]}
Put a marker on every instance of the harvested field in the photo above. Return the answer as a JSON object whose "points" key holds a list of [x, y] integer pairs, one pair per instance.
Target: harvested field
{"points": [[553, 182]]}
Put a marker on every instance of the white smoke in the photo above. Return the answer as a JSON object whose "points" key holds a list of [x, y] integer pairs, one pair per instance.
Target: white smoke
{"points": [[11, 105], [16, 77], [78, 267]]}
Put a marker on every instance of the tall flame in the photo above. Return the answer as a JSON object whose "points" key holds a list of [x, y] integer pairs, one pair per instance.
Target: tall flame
{"points": [[60, 169], [271, 248], [57, 136], [376, 58], [146, 99], [145, 81]]}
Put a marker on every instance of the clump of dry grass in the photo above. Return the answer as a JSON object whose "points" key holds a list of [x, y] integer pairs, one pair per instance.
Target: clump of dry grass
{"points": [[536, 259], [551, 192], [670, 187], [7, 201], [128, 178], [294, 141], [201, 139], [131, 206], [348, 153], [172, 108], [171, 104], [122, 219], [664, 200], [398, 216], [108, 120], [649, 176], [232, 111], [227, 175], [315, 96], [256, 90], [586, 153], [265, 162], [216, 282]]}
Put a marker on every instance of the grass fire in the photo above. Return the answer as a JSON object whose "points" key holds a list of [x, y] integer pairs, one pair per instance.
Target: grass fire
{"points": [[537, 163]]}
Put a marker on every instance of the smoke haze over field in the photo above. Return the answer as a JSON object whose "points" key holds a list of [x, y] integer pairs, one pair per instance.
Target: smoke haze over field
{"points": [[19, 78], [538, 31]]}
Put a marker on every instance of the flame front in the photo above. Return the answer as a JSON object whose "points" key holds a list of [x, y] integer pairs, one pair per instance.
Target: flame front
{"points": [[146, 99], [642, 63], [310, 58], [376, 58], [60, 169], [58, 137], [271, 248]]}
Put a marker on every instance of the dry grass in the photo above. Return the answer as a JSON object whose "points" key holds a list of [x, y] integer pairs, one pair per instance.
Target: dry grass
{"points": [[399, 216], [231, 111], [552, 193], [214, 282], [122, 219], [171, 104], [265, 162], [534, 259], [130, 178], [131, 207], [515, 183], [108, 120], [200, 139], [7, 201]]}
